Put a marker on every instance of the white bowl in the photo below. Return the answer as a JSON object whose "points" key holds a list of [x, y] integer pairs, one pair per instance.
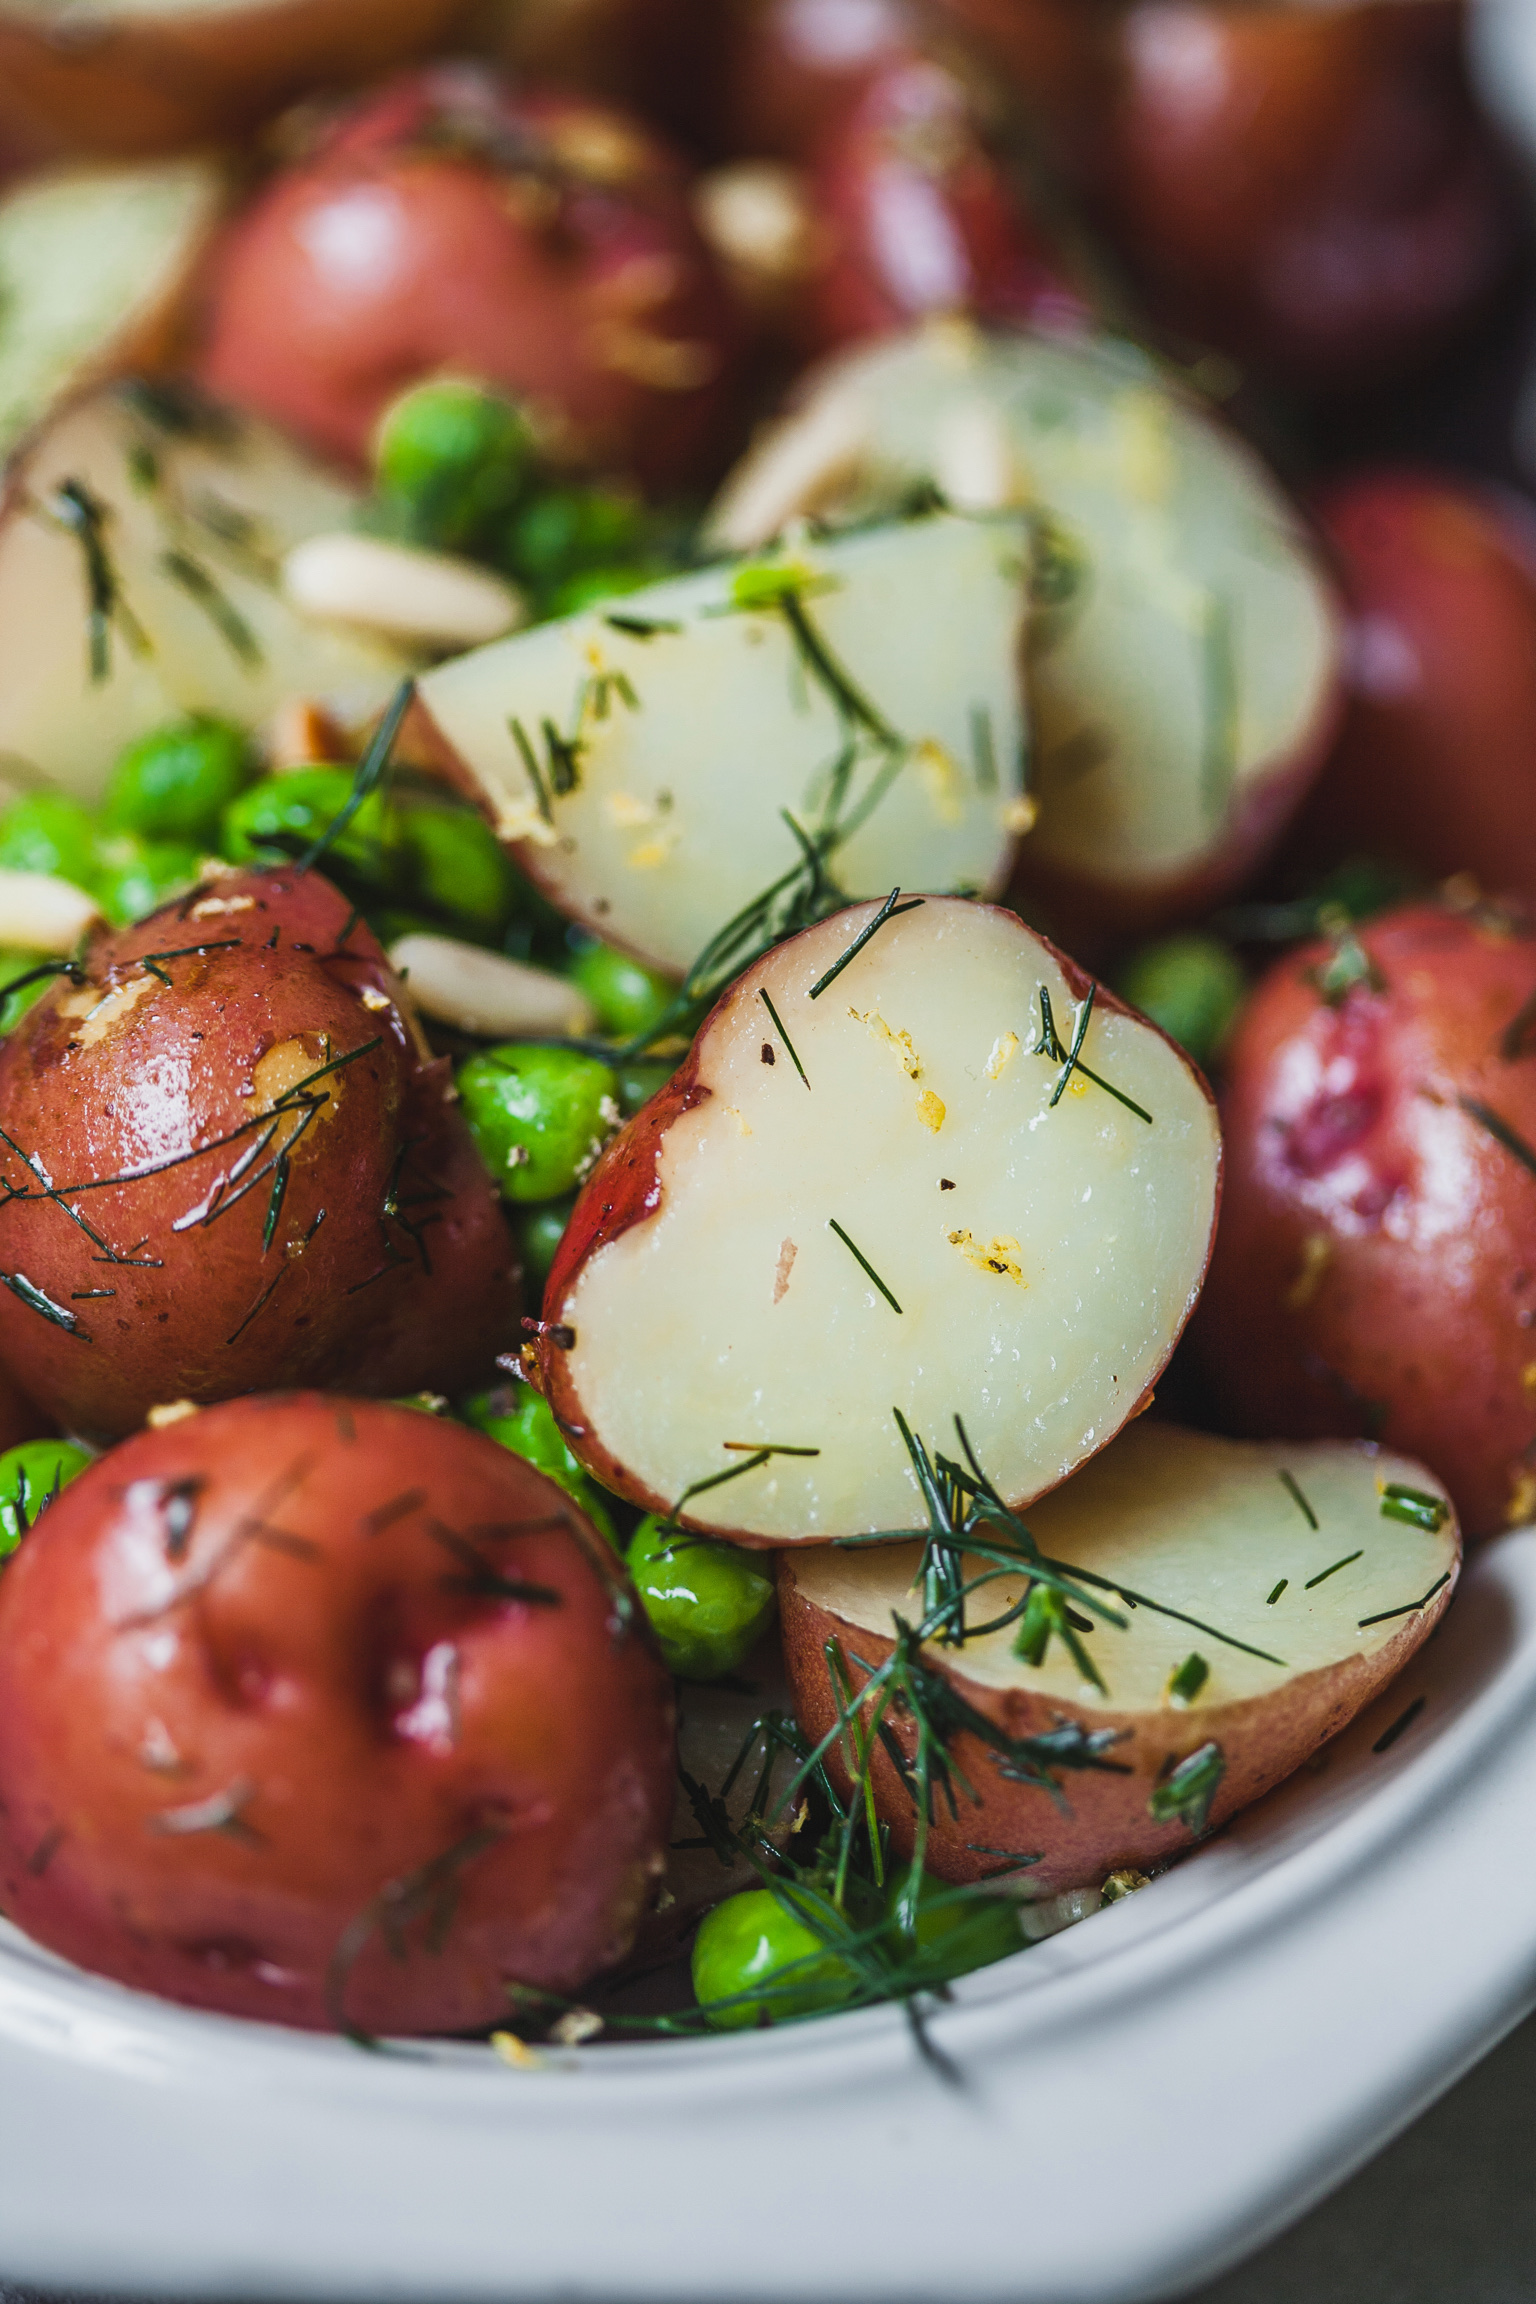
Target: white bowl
{"points": [[1140, 2101]]}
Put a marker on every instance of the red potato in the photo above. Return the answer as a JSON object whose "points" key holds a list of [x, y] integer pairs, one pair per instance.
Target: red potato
{"points": [[330, 1713], [918, 218], [888, 1198], [1436, 762], [1375, 1269], [1303, 1617], [230, 1165], [165, 75], [793, 71], [540, 243], [1309, 187]]}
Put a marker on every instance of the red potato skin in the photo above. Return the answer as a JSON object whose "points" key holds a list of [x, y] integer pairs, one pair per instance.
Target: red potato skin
{"points": [[794, 71], [1311, 189], [1375, 1266], [269, 1614], [1105, 1825], [408, 1281], [1436, 761], [625, 1188], [148, 86], [919, 219], [539, 243]]}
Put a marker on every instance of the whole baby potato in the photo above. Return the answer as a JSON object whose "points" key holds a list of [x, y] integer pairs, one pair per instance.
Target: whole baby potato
{"points": [[229, 1164], [1375, 1264], [328, 1712], [537, 243]]}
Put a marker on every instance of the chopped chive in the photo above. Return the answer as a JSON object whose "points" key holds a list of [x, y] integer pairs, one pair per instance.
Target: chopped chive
{"points": [[1412, 1609], [1500, 1131], [774, 1448], [1415, 1507], [759, 1456], [641, 627], [889, 910], [216, 605], [1279, 1588], [1400, 1725], [861, 1259], [36, 1301], [1187, 1792], [371, 770], [1516, 1040], [1080, 1034], [1347, 1562], [983, 748], [778, 1025], [1292, 1487], [535, 772], [1185, 1684], [1050, 1044]]}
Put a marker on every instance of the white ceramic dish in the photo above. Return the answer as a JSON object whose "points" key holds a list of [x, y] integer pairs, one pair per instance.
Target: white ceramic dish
{"points": [[1144, 2098]]}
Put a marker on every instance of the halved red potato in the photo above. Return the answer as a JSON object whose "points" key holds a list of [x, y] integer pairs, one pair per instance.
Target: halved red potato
{"points": [[883, 1195], [1314, 1570], [229, 1163], [1434, 762], [160, 75], [642, 759], [538, 242], [94, 265], [1184, 657], [1376, 1266], [330, 1713], [141, 538]]}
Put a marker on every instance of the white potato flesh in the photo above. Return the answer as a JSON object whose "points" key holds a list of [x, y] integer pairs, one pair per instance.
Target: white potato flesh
{"points": [[90, 258], [1207, 1526], [1044, 1259], [194, 527], [1187, 646], [692, 743]]}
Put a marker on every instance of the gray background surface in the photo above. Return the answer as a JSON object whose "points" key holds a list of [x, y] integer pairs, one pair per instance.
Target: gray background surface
{"points": [[1446, 2216]]}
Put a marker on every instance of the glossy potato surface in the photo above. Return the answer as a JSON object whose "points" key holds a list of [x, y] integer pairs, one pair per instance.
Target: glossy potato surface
{"points": [[1375, 1266], [229, 1166], [918, 1210], [1308, 186], [331, 1713], [541, 244], [1435, 765], [1307, 1598]]}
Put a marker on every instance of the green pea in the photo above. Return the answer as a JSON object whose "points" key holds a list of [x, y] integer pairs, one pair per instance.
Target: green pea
{"points": [[134, 877], [14, 965], [524, 1422], [542, 1230], [755, 1960], [457, 868], [282, 815], [709, 1604], [30, 1477], [49, 832], [451, 461], [565, 532], [539, 1115], [954, 1931], [1193, 986], [640, 1081], [176, 782], [590, 587], [629, 998]]}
